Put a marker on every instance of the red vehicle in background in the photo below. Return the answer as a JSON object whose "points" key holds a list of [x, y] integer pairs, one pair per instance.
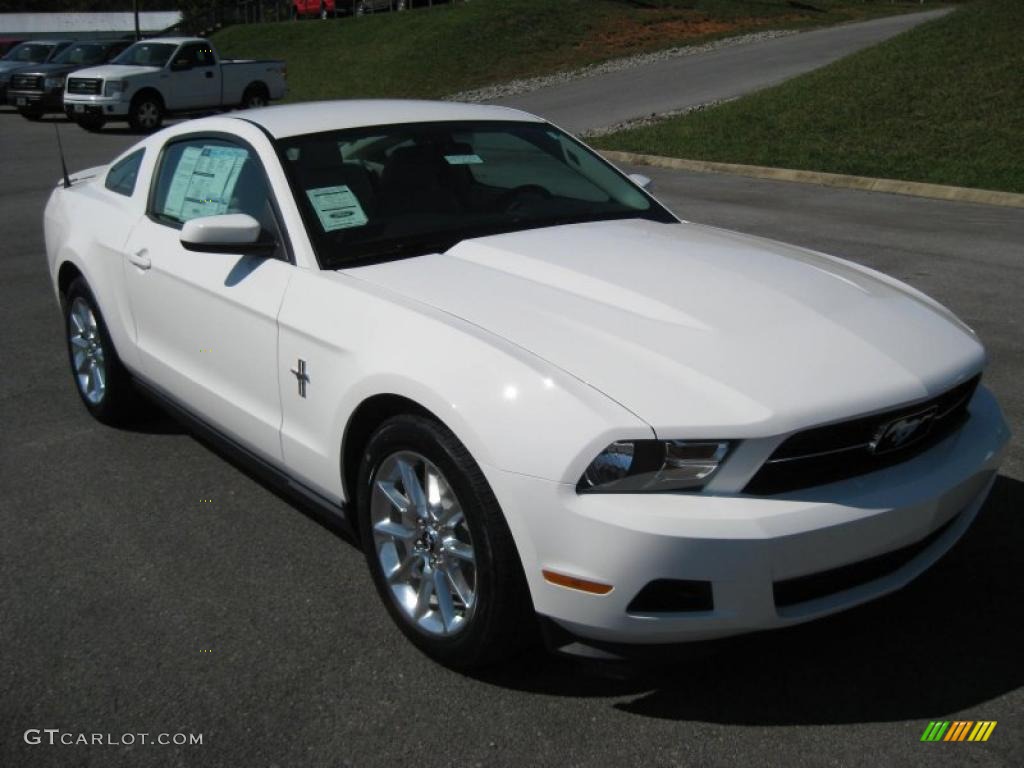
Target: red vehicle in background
{"points": [[314, 9]]}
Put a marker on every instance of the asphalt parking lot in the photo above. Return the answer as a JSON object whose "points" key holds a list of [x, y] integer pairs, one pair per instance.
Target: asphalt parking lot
{"points": [[127, 605]]}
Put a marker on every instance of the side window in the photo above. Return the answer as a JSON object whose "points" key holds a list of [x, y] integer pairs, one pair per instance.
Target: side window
{"points": [[195, 55], [209, 177], [122, 174]]}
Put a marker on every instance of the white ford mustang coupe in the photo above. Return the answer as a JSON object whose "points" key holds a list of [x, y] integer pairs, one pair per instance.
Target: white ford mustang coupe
{"points": [[529, 389]]}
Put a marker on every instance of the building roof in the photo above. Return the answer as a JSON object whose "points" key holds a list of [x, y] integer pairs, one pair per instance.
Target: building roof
{"points": [[73, 23]]}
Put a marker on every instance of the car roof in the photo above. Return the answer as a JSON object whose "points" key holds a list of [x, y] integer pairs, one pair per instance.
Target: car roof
{"points": [[315, 117], [173, 40]]}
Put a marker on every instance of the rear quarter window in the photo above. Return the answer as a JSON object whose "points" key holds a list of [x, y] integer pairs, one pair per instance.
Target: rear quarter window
{"points": [[122, 175]]}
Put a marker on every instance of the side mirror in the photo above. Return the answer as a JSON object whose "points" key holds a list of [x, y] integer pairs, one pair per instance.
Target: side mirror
{"points": [[641, 181], [179, 65], [228, 233]]}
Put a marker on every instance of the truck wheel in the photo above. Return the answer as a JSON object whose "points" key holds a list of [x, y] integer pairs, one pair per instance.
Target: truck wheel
{"points": [[91, 123], [146, 113], [31, 114], [255, 96]]}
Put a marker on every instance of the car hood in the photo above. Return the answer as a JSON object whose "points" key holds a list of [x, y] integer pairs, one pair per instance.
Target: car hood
{"points": [[8, 67], [114, 71], [47, 70], [700, 332]]}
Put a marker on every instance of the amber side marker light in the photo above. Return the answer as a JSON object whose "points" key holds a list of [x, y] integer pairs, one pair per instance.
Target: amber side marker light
{"points": [[571, 582]]}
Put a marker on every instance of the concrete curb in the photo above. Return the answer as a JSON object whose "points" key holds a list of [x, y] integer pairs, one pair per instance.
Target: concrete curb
{"points": [[892, 186]]}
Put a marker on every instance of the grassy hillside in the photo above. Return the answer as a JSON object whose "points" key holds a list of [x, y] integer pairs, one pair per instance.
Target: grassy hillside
{"points": [[450, 48], [943, 103]]}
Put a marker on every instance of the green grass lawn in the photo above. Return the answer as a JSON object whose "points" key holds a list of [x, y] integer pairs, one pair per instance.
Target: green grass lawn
{"points": [[450, 48], [943, 103]]}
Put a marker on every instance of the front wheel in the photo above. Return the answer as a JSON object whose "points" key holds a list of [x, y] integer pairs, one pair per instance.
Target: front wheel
{"points": [[146, 114], [439, 550], [102, 381], [90, 123]]}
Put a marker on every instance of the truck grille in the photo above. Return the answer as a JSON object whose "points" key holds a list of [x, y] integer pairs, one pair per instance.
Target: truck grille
{"points": [[850, 448], [90, 86], [26, 83]]}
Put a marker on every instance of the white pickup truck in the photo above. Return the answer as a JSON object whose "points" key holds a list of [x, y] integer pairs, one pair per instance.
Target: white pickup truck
{"points": [[165, 76]]}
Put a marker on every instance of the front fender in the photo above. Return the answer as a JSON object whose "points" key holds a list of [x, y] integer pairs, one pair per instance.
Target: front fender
{"points": [[512, 410]]}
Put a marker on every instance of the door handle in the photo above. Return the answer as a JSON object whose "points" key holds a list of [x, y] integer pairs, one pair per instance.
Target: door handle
{"points": [[140, 259], [209, 73]]}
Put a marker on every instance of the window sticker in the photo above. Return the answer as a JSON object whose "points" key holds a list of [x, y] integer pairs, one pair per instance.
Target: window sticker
{"points": [[337, 208], [464, 159], [204, 181]]}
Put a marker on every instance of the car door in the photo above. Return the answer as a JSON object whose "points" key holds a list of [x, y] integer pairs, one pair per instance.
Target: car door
{"points": [[195, 78], [206, 323]]}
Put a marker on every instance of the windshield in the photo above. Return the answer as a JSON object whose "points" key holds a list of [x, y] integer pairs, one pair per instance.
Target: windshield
{"points": [[146, 54], [31, 53], [405, 190], [82, 54]]}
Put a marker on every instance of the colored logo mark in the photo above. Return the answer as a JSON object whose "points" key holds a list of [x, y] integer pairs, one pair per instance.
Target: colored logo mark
{"points": [[959, 730]]}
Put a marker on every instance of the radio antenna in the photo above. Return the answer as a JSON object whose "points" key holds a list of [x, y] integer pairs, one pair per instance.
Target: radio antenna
{"points": [[63, 165]]}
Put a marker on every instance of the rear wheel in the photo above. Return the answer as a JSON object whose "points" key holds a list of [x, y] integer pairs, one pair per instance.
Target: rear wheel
{"points": [[101, 380], [439, 550], [146, 113], [255, 96]]}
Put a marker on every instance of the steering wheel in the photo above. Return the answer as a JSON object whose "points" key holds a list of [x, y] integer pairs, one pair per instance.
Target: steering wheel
{"points": [[511, 201]]}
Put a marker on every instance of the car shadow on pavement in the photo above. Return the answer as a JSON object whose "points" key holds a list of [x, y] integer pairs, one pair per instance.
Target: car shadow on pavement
{"points": [[947, 642]]}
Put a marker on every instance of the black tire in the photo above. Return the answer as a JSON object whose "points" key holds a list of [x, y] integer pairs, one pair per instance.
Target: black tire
{"points": [[31, 114], [146, 113], [90, 123], [255, 96], [503, 622], [120, 402]]}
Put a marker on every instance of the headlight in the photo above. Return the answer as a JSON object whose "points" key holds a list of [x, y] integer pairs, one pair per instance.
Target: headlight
{"points": [[53, 82], [113, 87], [646, 466]]}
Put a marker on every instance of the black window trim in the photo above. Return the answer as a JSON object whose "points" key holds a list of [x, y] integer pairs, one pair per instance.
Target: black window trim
{"points": [[218, 136]]}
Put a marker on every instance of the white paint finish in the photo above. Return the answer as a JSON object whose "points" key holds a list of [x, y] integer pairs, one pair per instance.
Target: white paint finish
{"points": [[538, 349], [701, 332], [207, 331], [500, 400], [314, 117]]}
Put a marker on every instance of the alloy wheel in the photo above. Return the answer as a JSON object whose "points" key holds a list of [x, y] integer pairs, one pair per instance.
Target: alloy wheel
{"points": [[87, 352], [423, 544]]}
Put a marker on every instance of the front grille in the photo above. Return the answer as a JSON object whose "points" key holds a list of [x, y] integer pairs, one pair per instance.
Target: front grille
{"points": [[89, 86], [790, 592], [26, 83], [851, 448]]}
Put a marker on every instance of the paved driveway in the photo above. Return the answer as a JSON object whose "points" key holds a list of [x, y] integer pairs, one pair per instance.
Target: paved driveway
{"points": [[688, 81], [128, 606]]}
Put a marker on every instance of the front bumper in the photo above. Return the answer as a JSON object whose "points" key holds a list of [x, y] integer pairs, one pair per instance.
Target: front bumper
{"points": [[40, 101], [105, 106], [751, 550]]}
